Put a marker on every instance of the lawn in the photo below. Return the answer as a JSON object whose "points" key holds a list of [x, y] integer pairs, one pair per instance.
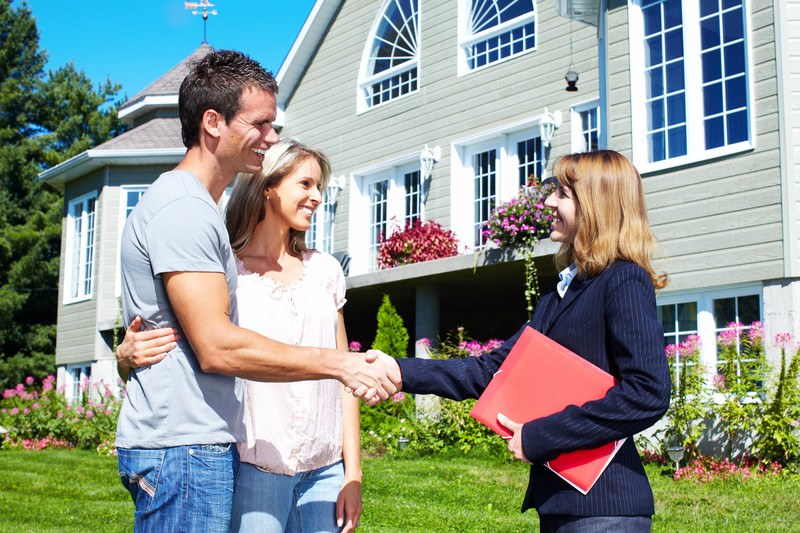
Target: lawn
{"points": [[72, 490]]}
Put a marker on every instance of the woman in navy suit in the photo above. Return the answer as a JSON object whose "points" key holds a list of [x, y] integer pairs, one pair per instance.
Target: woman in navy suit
{"points": [[604, 309]]}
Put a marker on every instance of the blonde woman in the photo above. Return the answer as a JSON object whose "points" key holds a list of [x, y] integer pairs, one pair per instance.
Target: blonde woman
{"points": [[603, 309]]}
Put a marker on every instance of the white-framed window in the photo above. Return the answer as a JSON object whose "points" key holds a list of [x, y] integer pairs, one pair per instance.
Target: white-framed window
{"points": [[384, 199], [690, 80], [707, 315], [585, 126], [390, 64], [129, 196], [78, 382], [489, 169], [320, 234], [79, 268], [491, 31]]}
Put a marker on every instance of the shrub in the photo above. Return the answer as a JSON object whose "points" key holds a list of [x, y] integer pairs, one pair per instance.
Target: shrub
{"points": [[40, 416], [708, 469], [392, 336], [417, 242]]}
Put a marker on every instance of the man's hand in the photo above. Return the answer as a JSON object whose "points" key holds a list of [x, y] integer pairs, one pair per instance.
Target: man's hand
{"points": [[515, 442], [142, 348], [374, 377]]}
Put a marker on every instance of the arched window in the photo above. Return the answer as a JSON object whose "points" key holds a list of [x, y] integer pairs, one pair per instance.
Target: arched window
{"points": [[494, 30], [389, 68]]}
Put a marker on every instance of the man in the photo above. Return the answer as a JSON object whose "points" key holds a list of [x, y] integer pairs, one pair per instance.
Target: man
{"points": [[181, 417]]}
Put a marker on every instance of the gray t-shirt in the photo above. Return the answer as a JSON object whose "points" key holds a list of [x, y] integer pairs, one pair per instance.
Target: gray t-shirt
{"points": [[175, 227]]}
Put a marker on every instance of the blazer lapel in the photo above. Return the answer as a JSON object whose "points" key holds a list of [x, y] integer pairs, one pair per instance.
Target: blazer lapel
{"points": [[576, 287]]}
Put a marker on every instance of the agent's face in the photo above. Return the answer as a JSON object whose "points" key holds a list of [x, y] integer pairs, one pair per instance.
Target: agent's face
{"points": [[248, 135], [293, 201], [562, 202]]}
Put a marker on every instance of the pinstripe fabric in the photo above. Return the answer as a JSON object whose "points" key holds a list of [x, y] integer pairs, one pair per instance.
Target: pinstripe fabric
{"points": [[611, 321]]}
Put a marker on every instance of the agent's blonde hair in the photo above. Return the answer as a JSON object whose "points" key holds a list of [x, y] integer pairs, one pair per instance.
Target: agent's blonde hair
{"points": [[611, 215], [246, 206]]}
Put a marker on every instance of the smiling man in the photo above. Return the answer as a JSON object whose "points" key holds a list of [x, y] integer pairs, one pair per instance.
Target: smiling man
{"points": [[182, 412]]}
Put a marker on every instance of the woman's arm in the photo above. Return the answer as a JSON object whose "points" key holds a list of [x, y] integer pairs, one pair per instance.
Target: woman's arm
{"points": [[142, 348], [348, 504]]}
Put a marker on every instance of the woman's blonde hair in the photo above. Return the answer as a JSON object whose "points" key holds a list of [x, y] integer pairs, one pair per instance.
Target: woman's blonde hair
{"points": [[246, 206], [611, 215]]}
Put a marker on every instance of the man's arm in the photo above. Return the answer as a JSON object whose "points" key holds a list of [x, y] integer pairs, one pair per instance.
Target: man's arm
{"points": [[202, 305]]}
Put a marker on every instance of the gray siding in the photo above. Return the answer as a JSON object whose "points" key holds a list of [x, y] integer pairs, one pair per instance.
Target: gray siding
{"points": [[718, 221], [322, 111]]}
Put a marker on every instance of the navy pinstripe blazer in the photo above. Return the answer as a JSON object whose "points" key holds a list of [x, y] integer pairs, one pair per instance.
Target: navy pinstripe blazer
{"points": [[611, 321]]}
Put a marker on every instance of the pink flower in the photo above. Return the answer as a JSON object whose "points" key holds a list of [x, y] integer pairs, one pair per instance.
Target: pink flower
{"points": [[425, 341], [671, 350], [89, 414], [13, 411], [719, 381], [9, 393], [399, 397], [783, 340], [60, 415], [29, 380], [756, 333], [26, 411], [728, 337], [354, 346], [35, 405]]}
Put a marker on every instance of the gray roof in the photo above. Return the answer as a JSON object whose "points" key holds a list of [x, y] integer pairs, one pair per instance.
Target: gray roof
{"points": [[153, 134], [170, 82]]}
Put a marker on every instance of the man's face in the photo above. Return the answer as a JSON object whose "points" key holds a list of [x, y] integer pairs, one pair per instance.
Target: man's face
{"points": [[249, 134]]}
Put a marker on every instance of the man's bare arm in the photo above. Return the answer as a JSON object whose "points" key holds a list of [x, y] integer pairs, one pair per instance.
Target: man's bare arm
{"points": [[202, 305]]}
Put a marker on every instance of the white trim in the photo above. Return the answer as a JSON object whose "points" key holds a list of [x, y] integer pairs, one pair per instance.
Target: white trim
{"points": [[151, 101], [789, 183], [121, 218], [89, 160], [576, 125]]}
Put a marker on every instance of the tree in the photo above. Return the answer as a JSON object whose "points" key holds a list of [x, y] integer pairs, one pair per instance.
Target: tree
{"points": [[45, 118], [392, 336]]}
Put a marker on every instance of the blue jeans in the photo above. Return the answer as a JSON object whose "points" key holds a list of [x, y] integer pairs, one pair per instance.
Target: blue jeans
{"points": [[184, 488], [594, 524], [268, 503]]}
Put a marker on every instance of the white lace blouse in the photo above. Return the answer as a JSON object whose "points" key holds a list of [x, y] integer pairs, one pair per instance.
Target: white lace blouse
{"points": [[293, 427]]}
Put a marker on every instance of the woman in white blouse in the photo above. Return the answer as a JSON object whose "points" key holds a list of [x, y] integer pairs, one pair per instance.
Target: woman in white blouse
{"points": [[301, 464]]}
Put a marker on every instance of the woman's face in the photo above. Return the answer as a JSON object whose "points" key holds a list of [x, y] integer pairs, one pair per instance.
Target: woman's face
{"points": [[562, 202], [294, 200]]}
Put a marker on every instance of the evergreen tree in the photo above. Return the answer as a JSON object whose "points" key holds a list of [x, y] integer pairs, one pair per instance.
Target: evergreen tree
{"points": [[44, 120], [392, 336]]}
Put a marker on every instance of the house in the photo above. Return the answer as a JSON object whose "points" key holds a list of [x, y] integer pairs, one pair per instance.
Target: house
{"points": [[434, 110]]}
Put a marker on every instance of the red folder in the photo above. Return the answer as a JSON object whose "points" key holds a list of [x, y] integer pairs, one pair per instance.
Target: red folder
{"points": [[538, 378]]}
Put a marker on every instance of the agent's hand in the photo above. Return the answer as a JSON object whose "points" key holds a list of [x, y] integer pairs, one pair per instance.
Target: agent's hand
{"points": [[515, 442], [142, 348]]}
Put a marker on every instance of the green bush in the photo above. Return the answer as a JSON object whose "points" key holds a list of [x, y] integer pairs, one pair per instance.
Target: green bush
{"points": [[40, 416], [392, 336]]}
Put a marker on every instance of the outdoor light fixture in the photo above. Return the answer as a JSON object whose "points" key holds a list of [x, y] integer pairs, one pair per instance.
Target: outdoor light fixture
{"points": [[335, 185], [548, 125], [572, 79], [427, 158], [675, 452]]}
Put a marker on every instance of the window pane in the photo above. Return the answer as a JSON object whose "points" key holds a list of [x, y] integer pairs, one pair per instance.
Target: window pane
{"points": [[655, 82], [712, 99], [731, 3], [652, 19], [712, 65], [653, 50], [715, 132], [732, 25], [656, 114], [657, 146], [734, 58], [666, 314], [675, 81], [673, 44], [735, 93], [749, 309], [687, 316], [709, 33], [724, 311], [677, 141], [737, 127], [676, 109], [672, 14], [485, 15]]}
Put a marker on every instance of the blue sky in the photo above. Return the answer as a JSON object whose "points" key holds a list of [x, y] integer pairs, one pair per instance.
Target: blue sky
{"points": [[134, 43]]}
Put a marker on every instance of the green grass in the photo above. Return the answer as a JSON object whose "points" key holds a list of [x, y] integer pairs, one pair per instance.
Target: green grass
{"points": [[73, 490]]}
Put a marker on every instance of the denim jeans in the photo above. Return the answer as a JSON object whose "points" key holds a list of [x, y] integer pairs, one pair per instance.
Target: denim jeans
{"points": [[184, 488], [274, 503], [594, 524]]}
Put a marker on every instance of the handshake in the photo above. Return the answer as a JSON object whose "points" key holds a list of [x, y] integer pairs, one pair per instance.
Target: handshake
{"points": [[375, 376], [372, 376]]}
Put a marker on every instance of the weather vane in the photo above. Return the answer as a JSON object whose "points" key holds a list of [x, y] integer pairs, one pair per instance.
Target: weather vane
{"points": [[204, 4]]}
